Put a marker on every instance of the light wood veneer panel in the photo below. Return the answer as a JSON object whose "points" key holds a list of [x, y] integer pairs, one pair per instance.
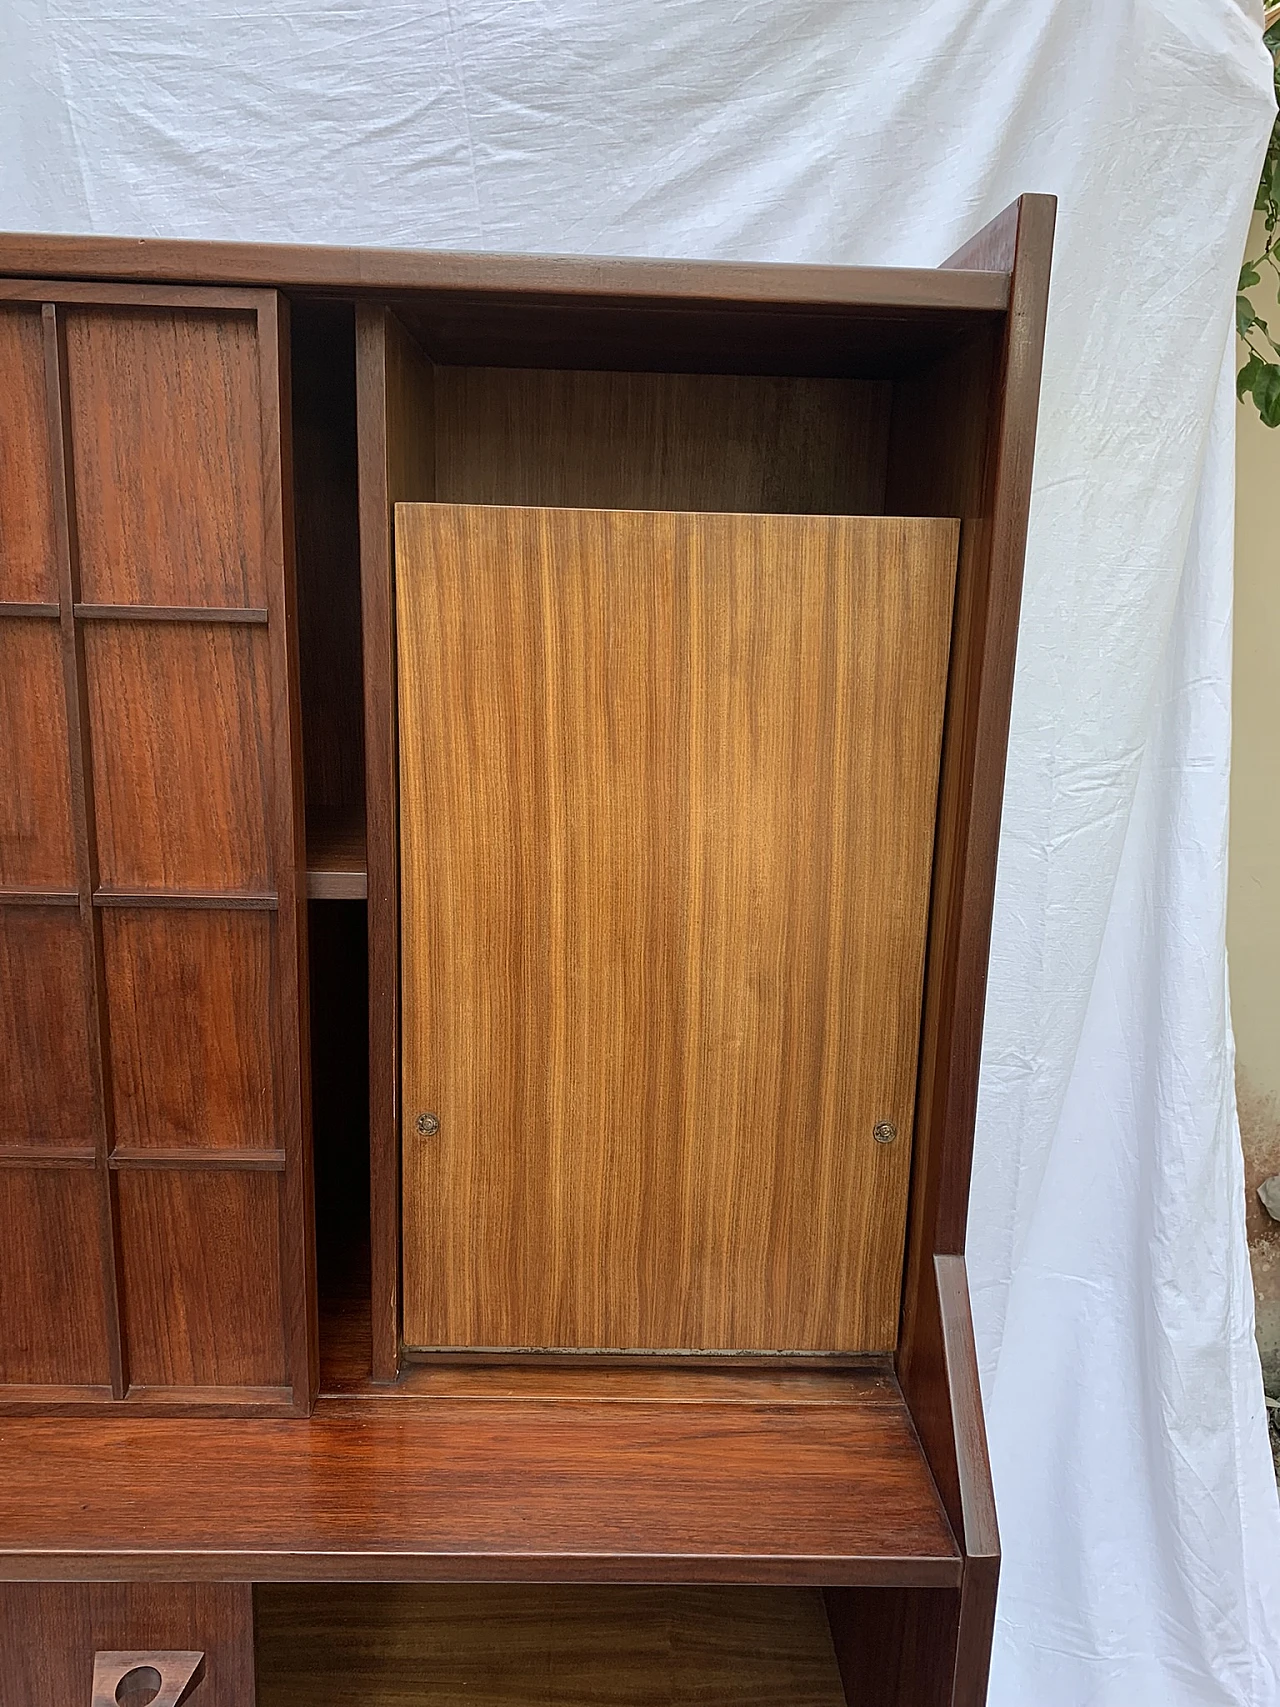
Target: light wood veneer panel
{"points": [[37, 850], [180, 718], [189, 992], [166, 430], [46, 1079], [28, 547], [667, 796]]}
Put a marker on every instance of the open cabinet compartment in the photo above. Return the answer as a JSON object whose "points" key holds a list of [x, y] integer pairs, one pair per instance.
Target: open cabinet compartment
{"points": [[343, 1645], [845, 1506]]}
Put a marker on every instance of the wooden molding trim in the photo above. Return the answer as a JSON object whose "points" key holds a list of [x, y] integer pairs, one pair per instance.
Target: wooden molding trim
{"points": [[161, 261]]}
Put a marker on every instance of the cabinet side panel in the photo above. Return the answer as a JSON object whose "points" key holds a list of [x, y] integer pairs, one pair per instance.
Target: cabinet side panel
{"points": [[965, 434], [896, 1647]]}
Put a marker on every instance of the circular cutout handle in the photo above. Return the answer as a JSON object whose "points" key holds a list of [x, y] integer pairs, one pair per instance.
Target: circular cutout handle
{"points": [[139, 1686]]}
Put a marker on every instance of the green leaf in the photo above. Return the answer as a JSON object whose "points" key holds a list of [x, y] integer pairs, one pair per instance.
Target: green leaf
{"points": [[1248, 374], [1245, 317], [1266, 394], [1249, 276]]}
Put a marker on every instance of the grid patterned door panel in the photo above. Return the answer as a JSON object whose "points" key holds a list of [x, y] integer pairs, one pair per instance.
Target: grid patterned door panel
{"points": [[153, 1120]]}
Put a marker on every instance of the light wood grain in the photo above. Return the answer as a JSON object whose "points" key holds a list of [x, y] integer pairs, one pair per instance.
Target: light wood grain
{"points": [[534, 1646], [659, 441], [667, 797]]}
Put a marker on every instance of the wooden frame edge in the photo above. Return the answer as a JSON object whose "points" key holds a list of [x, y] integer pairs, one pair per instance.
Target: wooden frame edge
{"points": [[382, 835], [629, 281]]}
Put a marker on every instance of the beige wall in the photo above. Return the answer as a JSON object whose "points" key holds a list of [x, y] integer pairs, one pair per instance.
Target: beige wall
{"points": [[1253, 911]]}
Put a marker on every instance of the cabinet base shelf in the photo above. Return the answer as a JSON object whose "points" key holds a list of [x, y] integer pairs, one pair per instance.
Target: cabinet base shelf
{"points": [[693, 1478]]}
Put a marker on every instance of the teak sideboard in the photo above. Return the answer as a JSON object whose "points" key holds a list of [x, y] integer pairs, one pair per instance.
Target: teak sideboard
{"points": [[502, 774]]}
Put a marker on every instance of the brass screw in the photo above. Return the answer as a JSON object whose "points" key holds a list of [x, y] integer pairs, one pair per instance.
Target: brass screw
{"points": [[885, 1132], [428, 1125]]}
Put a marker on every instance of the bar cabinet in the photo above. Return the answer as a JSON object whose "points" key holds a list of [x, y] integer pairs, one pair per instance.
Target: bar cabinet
{"points": [[503, 763]]}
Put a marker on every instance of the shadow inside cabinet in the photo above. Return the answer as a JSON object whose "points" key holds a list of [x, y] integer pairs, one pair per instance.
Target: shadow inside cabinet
{"points": [[356, 1645]]}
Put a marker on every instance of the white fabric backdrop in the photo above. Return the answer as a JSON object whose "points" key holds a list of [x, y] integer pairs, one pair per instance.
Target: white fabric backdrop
{"points": [[1106, 1237]]}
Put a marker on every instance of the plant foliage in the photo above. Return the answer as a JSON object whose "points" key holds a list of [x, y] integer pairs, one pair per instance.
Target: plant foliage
{"points": [[1260, 375]]}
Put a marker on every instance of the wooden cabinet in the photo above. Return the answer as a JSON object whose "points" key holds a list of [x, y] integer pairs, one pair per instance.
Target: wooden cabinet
{"points": [[503, 764], [154, 1146]]}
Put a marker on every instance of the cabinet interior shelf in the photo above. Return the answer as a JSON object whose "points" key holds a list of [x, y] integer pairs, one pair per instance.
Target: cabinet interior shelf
{"points": [[336, 869]]}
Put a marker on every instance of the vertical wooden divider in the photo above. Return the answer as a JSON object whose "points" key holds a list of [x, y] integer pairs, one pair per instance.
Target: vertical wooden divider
{"points": [[395, 428], [64, 510], [288, 831]]}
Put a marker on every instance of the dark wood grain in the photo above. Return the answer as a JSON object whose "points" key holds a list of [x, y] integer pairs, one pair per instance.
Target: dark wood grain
{"points": [[660, 441], [233, 900], [190, 995], [47, 1082], [50, 1632], [984, 471], [394, 1489], [168, 429], [174, 393], [895, 1647], [326, 506], [28, 552], [979, 1530], [289, 851], [356, 270], [54, 1314], [200, 1158], [169, 613], [516, 1646], [182, 801], [201, 1273], [37, 848], [337, 864], [66, 533], [395, 420]]}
